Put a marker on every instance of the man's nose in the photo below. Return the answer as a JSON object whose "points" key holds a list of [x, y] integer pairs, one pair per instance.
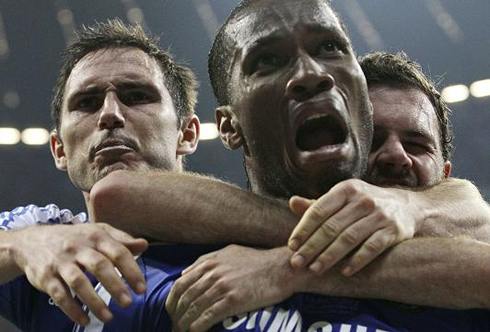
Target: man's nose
{"points": [[392, 156], [111, 115], [308, 80]]}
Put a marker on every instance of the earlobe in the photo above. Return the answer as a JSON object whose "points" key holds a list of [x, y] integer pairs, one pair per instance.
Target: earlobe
{"points": [[188, 135], [230, 129], [57, 150], [447, 169]]}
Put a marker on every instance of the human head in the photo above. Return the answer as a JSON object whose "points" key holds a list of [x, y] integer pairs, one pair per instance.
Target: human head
{"points": [[292, 95], [121, 102], [412, 133], [179, 80]]}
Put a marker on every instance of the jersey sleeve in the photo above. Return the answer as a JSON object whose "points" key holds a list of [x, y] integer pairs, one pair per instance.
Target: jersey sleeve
{"points": [[30, 215]]}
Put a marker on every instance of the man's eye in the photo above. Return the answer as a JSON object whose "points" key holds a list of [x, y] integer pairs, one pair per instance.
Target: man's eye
{"points": [[416, 148], [267, 62], [135, 97], [330, 47], [88, 103]]}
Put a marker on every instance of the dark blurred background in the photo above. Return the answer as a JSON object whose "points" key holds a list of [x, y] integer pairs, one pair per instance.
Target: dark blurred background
{"points": [[451, 39]]}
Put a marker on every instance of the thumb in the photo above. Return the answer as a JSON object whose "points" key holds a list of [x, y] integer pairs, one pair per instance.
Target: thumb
{"points": [[299, 205]]}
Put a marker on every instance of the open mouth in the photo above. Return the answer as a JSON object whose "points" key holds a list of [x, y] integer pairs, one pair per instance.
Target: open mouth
{"points": [[317, 132]]}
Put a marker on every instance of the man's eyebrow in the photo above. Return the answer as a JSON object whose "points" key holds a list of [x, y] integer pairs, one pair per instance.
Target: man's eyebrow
{"points": [[420, 134], [126, 85], [89, 91], [274, 38], [132, 85], [314, 28]]}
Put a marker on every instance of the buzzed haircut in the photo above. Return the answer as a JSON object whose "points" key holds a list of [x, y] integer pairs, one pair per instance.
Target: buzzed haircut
{"points": [[178, 79], [386, 69], [219, 59]]}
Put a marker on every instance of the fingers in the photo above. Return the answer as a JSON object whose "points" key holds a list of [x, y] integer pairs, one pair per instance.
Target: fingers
{"points": [[78, 282], [315, 215], [64, 300], [328, 232], [372, 248], [197, 303], [124, 261], [211, 316], [178, 289], [135, 245]]}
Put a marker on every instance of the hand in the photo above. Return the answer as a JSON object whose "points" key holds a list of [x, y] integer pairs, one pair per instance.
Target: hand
{"points": [[54, 259], [352, 214], [230, 281]]}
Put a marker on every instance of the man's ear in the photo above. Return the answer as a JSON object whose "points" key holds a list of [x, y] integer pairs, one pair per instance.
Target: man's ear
{"points": [[447, 169], [57, 150], [188, 135], [229, 127]]}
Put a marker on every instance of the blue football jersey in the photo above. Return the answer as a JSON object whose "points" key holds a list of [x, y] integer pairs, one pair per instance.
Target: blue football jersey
{"points": [[161, 265]]}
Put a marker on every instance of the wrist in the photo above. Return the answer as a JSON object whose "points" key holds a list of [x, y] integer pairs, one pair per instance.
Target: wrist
{"points": [[10, 252]]}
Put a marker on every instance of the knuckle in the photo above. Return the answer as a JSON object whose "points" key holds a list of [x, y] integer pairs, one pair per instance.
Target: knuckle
{"points": [[57, 294], [95, 234], [119, 253], [366, 203], [375, 246], [381, 215], [232, 298], [317, 211], [350, 187], [76, 281], [222, 286], [350, 237], [47, 271], [98, 263], [329, 229]]}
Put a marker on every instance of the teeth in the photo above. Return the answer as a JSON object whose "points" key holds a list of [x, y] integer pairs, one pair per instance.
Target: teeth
{"points": [[313, 117]]}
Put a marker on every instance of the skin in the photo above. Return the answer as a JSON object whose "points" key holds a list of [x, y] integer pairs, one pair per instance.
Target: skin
{"points": [[293, 63], [406, 147], [125, 107], [117, 115], [406, 152], [216, 287]]}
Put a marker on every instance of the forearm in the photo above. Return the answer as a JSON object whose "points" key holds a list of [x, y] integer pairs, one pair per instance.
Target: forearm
{"points": [[187, 208], [449, 273], [453, 208], [8, 266]]}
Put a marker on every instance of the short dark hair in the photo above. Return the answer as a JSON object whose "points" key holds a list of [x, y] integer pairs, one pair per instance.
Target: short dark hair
{"points": [[219, 58], [386, 69], [179, 79]]}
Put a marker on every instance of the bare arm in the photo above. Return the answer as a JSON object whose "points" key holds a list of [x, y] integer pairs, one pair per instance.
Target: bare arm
{"points": [[428, 271], [188, 208], [455, 207]]}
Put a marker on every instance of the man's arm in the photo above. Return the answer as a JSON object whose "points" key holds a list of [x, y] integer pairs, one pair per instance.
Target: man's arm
{"points": [[189, 208], [357, 216], [54, 259], [457, 209], [439, 272]]}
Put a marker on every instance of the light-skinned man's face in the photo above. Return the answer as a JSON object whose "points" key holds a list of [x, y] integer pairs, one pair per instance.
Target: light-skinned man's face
{"points": [[118, 114], [406, 147], [299, 98]]}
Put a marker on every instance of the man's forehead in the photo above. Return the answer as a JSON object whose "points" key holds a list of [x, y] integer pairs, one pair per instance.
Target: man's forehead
{"points": [[410, 106], [280, 18], [129, 65]]}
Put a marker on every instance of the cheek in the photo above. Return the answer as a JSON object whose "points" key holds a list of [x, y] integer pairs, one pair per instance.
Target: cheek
{"points": [[428, 170]]}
